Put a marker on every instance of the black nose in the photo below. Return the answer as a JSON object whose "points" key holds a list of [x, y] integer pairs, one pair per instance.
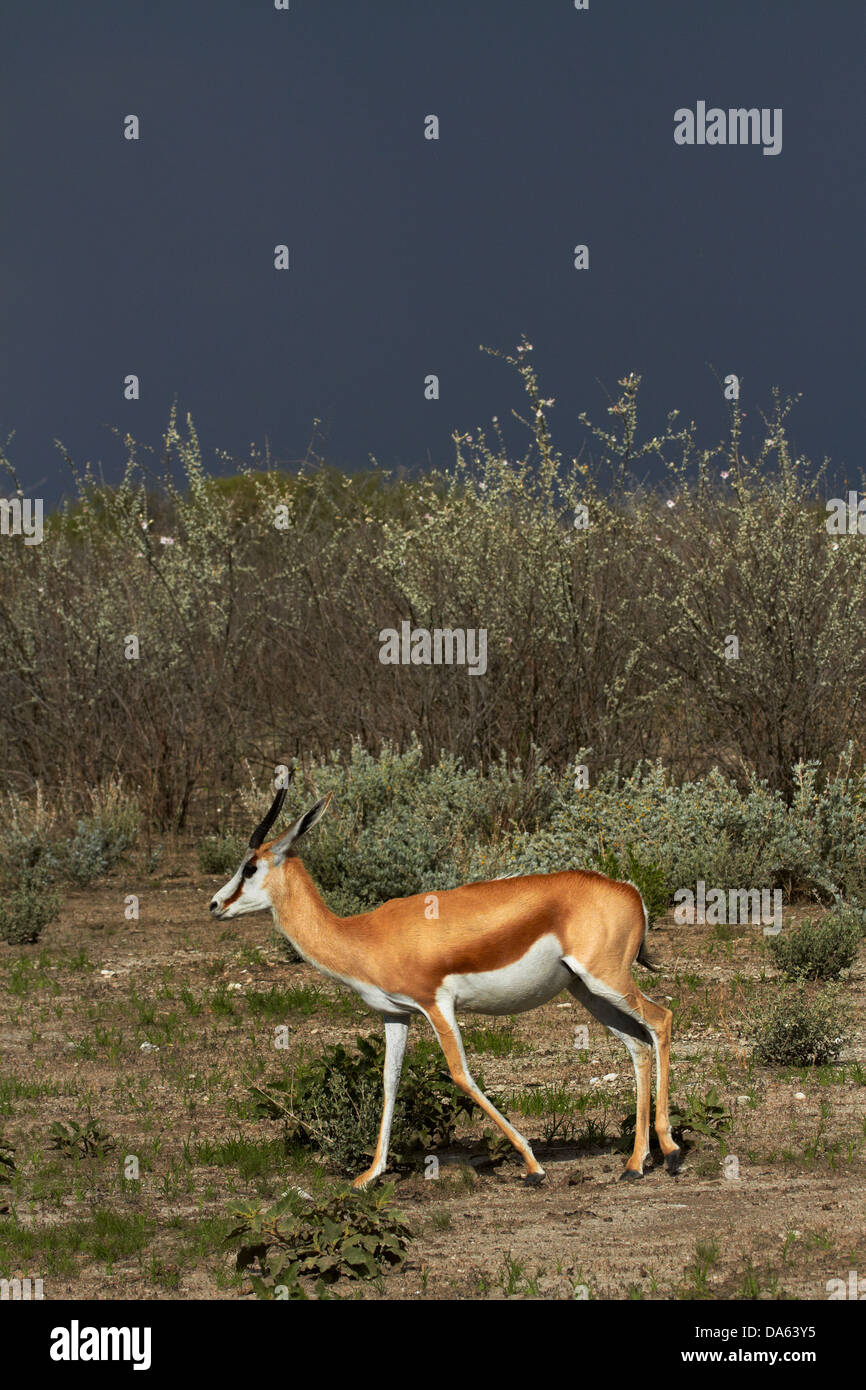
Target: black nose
{"points": [[213, 906]]}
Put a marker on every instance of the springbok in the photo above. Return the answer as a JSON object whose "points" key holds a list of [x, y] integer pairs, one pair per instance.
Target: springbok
{"points": [[492, 948]]}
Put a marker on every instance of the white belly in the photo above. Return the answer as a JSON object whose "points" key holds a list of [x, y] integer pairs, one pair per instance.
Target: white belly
{"points": [[539, 975]]}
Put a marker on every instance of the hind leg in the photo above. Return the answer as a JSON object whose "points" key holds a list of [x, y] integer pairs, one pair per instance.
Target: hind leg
{"points": [[658, 1020], [637, 1040], [642, 1019]]}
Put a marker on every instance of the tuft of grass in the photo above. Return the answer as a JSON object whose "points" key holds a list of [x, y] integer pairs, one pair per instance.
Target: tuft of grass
{"points": [[698, 1272], [511, 1275], [192, 1005], [221, 1002], [252, 1158], [111, 1236], [544, 1100], [277, 1003], [498, 1042]]}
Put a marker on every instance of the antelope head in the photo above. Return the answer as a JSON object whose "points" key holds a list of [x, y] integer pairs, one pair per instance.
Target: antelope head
{"points": [[250, 888]]}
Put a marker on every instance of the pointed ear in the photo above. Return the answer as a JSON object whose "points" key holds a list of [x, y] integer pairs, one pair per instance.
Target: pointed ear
{"points": [[281, 847]]}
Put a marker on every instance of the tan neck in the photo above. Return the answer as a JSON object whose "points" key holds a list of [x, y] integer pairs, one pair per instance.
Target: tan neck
{"points": [[319, 934]]}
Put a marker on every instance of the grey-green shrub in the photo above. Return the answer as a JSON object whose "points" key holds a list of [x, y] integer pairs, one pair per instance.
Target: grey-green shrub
{"points": [[397, 826], [29, 856], [818, 950], [797, 1028], [25, 911], [94, 849], [221, 854], [708, 828], [34, 849]]}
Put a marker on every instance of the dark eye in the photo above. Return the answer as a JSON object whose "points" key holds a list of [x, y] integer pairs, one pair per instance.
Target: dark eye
{"points": [[248, 870]]}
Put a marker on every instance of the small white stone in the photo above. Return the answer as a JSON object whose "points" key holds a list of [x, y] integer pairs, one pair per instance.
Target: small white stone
{"points": [[799, 1095], [611, 1076], [148, 1047]]}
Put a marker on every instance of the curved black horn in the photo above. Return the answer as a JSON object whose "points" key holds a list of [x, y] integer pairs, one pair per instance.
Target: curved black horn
{"points": [[264, 826]]}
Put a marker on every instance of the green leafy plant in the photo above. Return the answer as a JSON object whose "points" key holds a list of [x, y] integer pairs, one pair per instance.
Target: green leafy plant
{"points": [[80, 1141], [696, 1114], [7, 1168], [7, 1161], [818, 950], [335, 1103], [354, 1235]]}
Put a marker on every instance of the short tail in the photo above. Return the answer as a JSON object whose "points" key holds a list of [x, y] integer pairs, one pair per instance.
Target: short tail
{"points": [[642, 958]]}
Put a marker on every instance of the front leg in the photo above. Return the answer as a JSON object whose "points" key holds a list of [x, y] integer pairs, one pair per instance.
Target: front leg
{"points": [[396, 1033]]}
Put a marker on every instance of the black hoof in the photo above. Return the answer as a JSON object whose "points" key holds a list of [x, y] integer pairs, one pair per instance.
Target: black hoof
{"points": [[630, 1175], [674, 1162], [534, 1179]]}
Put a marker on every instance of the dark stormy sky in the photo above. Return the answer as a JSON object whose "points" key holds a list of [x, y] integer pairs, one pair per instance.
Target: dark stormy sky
{"points": [[306, 127]]}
